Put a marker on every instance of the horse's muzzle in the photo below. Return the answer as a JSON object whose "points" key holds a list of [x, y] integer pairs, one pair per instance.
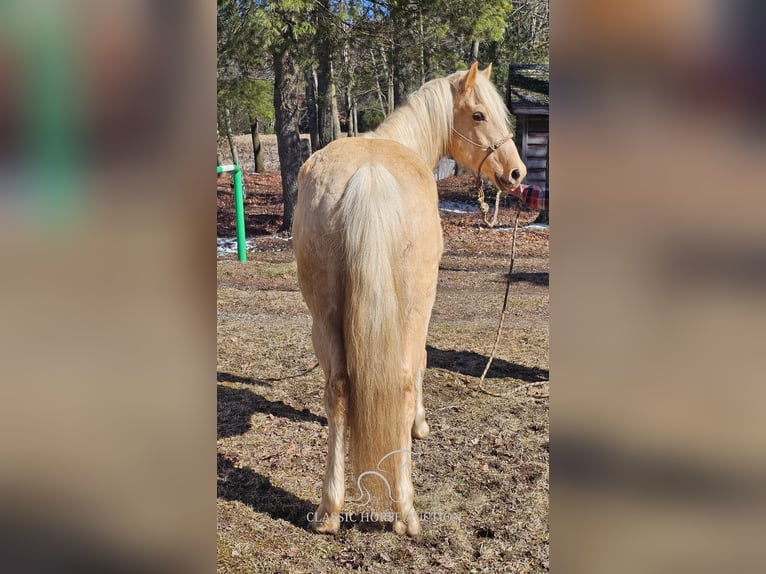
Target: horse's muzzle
{"points": [[507, 185]]}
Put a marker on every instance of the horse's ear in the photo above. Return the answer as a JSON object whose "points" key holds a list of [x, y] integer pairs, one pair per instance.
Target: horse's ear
{"points": [[487, 71], [469, 79]]}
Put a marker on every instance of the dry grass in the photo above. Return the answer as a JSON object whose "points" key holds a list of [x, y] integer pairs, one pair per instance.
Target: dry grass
{"points": [[485, 462]]}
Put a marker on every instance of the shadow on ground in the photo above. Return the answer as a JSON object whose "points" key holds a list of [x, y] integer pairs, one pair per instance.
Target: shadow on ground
{"points": [[229, 378], [256, 490], [472, 364], [237, 406], [541, 278]]}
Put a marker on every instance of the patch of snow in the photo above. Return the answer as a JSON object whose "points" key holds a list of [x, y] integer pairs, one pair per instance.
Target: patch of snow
{"points": [[227, 245], [458, 206], [537, 227]]}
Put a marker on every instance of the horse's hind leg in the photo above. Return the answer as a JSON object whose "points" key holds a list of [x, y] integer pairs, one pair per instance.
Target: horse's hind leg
{"points": [[420, 428], [406, 518], [329, 350], [414, 367]]}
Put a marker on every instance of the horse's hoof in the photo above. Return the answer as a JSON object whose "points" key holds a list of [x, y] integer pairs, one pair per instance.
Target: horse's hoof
{"points": [[411, 527], [421, 431], [328, 524]]}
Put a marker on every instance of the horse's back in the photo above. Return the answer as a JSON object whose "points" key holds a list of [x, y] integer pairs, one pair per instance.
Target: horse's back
{"points": [[323, 181], [318, 225], [324, 176]]}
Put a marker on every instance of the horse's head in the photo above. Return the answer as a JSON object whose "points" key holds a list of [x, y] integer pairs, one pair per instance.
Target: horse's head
{"points": [[481, 138]]}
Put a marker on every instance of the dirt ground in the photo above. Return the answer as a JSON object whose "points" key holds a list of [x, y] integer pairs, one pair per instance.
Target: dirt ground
{"points": [[481, 477]]}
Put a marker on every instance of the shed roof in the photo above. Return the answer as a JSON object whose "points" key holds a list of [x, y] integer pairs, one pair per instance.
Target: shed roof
{"points": [[528, 89]]}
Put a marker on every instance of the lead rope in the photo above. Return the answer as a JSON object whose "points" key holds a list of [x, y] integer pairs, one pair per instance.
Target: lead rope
{"points": [[504, 310], [505, 307], [483, 207], [502, 319], [484, 211]]}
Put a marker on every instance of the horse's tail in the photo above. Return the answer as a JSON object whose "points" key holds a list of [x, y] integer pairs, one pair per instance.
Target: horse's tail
{"points": [[375, 297]]}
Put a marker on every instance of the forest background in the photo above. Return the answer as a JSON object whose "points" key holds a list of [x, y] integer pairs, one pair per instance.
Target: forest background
{"points": [[337, 68]]}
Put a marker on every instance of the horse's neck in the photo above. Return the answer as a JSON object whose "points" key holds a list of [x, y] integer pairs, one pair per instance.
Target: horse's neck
{"points": [[418, 130]]}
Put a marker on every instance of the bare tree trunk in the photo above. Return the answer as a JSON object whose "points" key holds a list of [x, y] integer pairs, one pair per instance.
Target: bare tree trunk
{"points": [[287, 125], [323, 107], [389, 65], [350, 105], [229, 137], [350, 127], [391, 102], [383, 108], [398, 60], [328, 104], [218, 157], [313, 108], [475, 49], [422, 39], [334, 114], [257, 150], [329, 124], [399, 80]]}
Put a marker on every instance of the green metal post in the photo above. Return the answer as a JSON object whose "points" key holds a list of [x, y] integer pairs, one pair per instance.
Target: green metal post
{"points": [[55, 139], [239, 207]]}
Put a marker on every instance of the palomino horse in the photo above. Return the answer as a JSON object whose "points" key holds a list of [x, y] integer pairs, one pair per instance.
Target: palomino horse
{"points": [[367, 239]]}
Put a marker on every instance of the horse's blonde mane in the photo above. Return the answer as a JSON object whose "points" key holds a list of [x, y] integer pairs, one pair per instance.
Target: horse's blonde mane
{"points": [[424, 124]]}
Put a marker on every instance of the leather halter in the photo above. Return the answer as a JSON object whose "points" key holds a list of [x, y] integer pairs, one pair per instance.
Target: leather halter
{"points": [[490, 149]]}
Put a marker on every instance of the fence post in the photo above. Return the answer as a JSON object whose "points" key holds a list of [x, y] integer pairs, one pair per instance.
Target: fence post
{"points": [[239, 208]]}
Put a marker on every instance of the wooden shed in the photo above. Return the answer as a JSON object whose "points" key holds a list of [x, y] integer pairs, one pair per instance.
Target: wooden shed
{"points": [[528, 101]]}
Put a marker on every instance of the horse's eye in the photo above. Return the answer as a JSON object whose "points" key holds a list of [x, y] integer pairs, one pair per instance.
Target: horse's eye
{"points": [[478, 117]]}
